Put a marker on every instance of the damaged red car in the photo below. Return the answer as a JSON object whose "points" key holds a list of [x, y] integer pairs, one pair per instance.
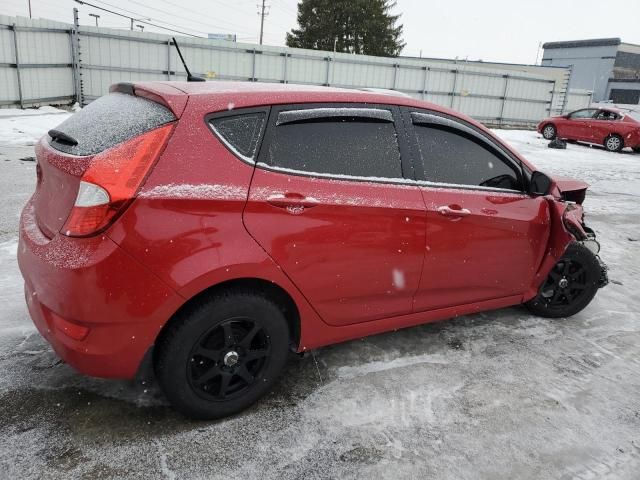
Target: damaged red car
{"points": [[209, 229], [612, 128]]}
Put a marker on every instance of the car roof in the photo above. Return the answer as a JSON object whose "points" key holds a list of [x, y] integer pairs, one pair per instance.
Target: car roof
{"points": [[262, 93], [213, 95]]}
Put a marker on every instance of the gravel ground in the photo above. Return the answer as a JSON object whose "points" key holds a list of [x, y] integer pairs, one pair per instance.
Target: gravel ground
{"points": [[497, 395]]}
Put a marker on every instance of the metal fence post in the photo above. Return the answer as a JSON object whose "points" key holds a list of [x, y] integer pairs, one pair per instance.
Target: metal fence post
{"points": [[455, 84], [253, 66], [504, 99], [396, 67], [553, 96], [77, 74], [328, 60], [284, 74], [169, 59], [424, 82], [15, 46]]}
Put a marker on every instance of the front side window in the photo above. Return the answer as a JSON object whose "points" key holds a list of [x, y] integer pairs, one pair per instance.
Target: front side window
{"points": [[342, 144], [452, 156], [582, 114], [241, 133]]}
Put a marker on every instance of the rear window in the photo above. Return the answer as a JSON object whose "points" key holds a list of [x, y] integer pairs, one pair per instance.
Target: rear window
{"points": [[352, 146], [241, 133], [107, 121]]}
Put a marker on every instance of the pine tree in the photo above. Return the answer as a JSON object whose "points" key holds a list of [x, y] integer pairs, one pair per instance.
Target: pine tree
{"points": [[352, 26]]}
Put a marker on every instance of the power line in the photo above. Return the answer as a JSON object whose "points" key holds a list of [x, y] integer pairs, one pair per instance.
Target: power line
{"points": [[234, 25], [82, 2]]}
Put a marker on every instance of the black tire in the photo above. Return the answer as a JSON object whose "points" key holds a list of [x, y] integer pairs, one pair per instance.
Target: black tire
{"points": [[614, 143], [549, 131], [194, 358], [636, 150], [582, 271]]}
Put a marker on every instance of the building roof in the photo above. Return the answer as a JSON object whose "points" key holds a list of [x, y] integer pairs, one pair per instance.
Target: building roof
{"points": [[594, 42]]}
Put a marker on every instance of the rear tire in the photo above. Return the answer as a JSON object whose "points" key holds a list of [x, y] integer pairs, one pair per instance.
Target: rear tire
{"points": [[549, 131], [570, 286], [614, 143], [220, 355]]}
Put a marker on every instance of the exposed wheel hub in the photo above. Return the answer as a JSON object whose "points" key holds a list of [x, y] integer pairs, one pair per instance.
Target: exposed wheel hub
{"points": [[231, 358], [563, 283]]}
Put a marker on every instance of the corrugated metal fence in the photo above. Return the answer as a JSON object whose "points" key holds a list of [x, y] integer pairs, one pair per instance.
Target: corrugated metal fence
{"points": [[49, 62]]}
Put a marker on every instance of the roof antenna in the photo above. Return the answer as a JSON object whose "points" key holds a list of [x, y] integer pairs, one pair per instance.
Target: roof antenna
{"points": [[190, 78]]}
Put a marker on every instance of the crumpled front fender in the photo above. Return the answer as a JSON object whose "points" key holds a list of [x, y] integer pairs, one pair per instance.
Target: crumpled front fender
{"points": [[562, 214]]}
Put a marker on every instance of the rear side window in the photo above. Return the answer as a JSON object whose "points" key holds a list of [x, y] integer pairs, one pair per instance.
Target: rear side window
{"points": [[241, 133], [107, 121], [336, 145], [452, 157]]}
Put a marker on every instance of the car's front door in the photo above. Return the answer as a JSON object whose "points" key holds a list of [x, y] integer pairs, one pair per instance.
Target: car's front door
{"points": [[578, 125], [330, 204], [485, 236]]}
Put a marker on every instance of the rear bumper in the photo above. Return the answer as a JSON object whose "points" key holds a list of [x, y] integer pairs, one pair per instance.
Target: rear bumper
{"points": [[91, 284]]}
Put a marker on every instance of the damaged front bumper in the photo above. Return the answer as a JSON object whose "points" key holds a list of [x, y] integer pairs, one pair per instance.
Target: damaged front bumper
{"points": [[573, 219]]}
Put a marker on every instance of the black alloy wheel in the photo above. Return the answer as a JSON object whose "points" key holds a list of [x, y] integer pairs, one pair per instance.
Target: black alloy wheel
{"points": [[228, 359], [570, 286], [218, 355]]}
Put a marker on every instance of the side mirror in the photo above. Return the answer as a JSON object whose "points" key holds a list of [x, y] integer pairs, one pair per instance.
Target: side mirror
{"points": [[540, 184]]}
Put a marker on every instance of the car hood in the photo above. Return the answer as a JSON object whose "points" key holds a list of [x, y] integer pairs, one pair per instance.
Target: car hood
{"points": [[570, 189]]}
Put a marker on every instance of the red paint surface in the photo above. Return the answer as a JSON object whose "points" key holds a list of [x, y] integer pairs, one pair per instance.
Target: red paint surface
{"points": [[357, 258], [596, 131]]}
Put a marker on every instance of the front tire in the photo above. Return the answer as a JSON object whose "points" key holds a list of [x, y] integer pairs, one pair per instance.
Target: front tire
{"points": [[549, 131], [614, 143], [570, 286], [220, 355]]}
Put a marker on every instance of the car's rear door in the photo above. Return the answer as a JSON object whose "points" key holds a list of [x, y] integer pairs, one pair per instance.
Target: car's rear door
{"points": [[330, 202], [485, 236], [578, 125], [603, 124]]}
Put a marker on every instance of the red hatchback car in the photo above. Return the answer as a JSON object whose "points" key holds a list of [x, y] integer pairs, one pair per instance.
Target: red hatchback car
{"points": [[612, 128], [211, 228]]}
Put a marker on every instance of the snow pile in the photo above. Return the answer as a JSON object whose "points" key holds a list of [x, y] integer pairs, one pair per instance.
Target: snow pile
{"points": [[25, 127]]}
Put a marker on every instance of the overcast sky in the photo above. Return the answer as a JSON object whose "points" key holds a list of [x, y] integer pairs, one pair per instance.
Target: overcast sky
{"points": [[491, 30]]}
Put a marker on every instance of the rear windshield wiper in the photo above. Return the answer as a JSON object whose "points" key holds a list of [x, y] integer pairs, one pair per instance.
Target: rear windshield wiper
{"points": [[62, 137]]}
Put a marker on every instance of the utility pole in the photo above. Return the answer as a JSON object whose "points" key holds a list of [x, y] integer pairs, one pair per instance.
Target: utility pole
{"points": [[96, 16], [141, 27], [262, 14], [29, 8], [131, 18]]}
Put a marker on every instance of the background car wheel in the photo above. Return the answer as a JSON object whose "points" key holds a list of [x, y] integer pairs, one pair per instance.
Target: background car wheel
{"points": [[219, 356], [570, 286], [614, 143], [549, 131]]}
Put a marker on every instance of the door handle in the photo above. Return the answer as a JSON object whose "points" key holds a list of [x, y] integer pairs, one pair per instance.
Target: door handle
{"points": [[453, 211], [293, 202]]}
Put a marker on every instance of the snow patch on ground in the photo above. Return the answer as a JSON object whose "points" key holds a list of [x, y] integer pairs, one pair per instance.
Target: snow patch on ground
{"points": [[498, 394], [26, 127]]}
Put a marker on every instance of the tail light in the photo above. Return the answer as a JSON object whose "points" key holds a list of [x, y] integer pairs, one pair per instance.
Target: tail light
{"points": [[112, 181]]}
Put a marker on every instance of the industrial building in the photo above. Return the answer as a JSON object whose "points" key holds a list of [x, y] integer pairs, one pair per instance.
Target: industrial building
{"points": [[607, 66]]}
